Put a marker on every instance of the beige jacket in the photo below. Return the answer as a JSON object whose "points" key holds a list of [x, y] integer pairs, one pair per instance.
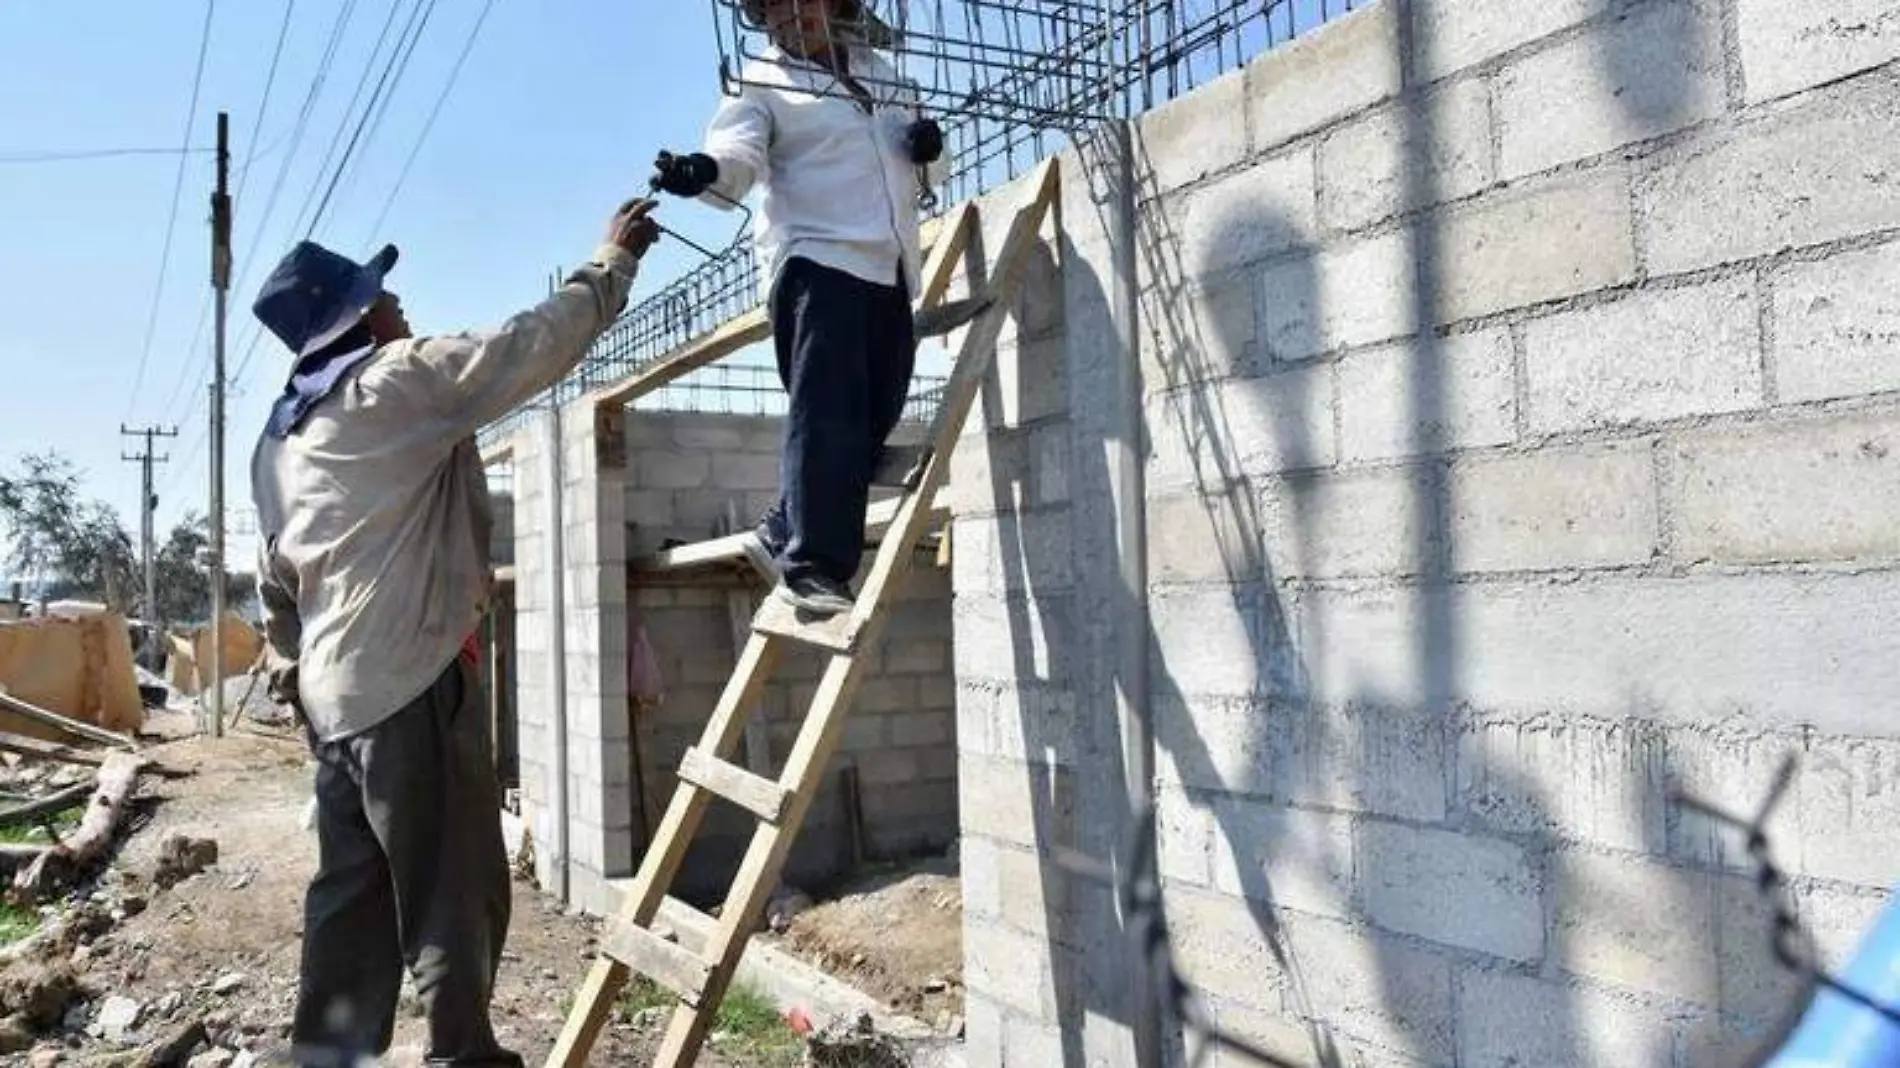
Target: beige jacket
{"points": [[373, 516]]}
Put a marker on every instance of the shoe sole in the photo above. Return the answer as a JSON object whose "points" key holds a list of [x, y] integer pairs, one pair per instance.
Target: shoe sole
{"points": [[824, 606]]}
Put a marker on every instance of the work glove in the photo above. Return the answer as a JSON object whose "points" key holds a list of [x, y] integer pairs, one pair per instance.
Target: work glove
{"points": [[923, 139], [685, 176]]}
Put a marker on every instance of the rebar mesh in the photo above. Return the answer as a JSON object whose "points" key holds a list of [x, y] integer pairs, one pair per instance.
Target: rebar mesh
{"points": [[740, 389], [1012, 82]]}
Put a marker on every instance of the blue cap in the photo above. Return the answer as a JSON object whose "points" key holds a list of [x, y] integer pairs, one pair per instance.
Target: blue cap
{"points": [[315, 295]]}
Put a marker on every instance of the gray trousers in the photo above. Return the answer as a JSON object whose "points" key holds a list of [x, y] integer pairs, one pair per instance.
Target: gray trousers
{"points": [[413, 874]]}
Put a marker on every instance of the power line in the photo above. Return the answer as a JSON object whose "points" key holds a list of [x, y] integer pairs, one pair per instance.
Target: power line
{"points": [[363, 121], [394, 67], [336, 139], [20, 156], [244, 179], [178, 185], [382, 107], [305, 110], [415, 147]]}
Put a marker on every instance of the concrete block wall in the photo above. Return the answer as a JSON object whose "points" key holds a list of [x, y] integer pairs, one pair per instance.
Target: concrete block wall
{"points": [[591, 675], [1522, 412], [901, 736]]}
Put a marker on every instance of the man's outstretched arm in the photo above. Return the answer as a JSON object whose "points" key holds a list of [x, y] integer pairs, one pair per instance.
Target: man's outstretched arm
{"points": [[469, 380]]}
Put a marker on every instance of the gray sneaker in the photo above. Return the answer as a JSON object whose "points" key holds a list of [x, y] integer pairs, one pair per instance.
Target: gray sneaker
{"points": [[816, 594], [760, 556]]}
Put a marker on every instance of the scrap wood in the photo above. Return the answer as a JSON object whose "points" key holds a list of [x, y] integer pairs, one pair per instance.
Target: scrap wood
{"points": [[117, 778], [66, 754], [52, 804], [70, 726]]}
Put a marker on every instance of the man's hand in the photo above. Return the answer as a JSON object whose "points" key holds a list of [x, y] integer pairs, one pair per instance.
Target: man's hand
{"points": [[923, 139], [631, 229], [685, 176]]}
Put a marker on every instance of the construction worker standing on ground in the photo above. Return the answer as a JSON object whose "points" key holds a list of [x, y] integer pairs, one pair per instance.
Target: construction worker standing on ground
{"points": [[374, 525], [842, 155]]}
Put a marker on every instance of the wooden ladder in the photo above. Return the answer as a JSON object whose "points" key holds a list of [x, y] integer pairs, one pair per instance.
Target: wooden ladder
{"points": [[630, 942]]}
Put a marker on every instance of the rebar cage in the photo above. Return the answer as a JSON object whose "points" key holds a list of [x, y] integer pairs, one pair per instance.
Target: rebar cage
{"points": [[1011, 81]]}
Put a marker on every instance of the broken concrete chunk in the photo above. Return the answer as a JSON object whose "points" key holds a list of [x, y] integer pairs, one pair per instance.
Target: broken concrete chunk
{"points": [[117, 1017], [212, 1058], [853, 1042], [181, 857], [227, 983]]}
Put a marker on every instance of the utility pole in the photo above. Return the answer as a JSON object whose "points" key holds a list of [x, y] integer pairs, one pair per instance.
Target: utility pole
{"points": [[147, 502], [220, 283]]}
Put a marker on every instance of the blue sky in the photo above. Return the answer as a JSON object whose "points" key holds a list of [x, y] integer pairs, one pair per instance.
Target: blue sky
{"points": [[554, 118]]}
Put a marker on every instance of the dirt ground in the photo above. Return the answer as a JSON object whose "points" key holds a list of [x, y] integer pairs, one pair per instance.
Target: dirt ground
{"points": [[896, 934], [223, 945]]}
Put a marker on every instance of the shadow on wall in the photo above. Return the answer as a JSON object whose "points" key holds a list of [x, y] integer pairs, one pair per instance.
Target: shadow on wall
{"points": [[1266, 750]]}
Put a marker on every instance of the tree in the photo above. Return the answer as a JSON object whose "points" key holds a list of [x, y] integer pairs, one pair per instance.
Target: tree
{"points": [[71, 546], [184, 573]]}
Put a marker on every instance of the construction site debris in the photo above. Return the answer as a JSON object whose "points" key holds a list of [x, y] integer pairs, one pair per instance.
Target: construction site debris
{"points": [[190, 654], [248, 696], [80, 669], [181, 857], [853, 1042], [41, 720], [52, 804], [118, 1015], [118, 777], [174, 1048], [212, 1058], [38, 996]]}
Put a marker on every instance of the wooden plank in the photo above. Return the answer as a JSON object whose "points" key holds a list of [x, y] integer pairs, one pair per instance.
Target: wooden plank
{"points": [[660, 863], [34, 747], [726, 339], [70, 726], [739, 613], [52, 804], [836, 633], [941, 266], [668, 963], [756, 794], [823, 727], [877, 519]]}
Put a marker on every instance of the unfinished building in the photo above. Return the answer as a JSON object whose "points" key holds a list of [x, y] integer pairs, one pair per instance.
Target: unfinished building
{"points": [[1485, 425]]}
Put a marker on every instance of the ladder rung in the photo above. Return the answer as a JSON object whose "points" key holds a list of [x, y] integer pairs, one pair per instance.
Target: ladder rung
{"points": [[899, 464], [671, 965], [758, 795], [836, 633]]}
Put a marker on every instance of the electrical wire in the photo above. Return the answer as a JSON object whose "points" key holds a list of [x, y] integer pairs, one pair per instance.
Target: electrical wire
{"points": [[415, 146], [336, 139], [171, 224], [311, 93], [381, 108], [25, 156], [244, 179]]}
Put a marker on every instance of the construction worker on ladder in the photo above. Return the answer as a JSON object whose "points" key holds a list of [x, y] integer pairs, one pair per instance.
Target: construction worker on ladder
{"points": [[843, 155]]}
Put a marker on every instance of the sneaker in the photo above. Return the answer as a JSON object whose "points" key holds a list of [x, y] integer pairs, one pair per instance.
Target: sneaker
{"points": [[760, 556], [816, 594]]}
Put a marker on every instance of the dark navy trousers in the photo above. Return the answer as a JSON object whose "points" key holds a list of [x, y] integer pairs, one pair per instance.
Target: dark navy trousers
{"points": [[846, 349]]}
